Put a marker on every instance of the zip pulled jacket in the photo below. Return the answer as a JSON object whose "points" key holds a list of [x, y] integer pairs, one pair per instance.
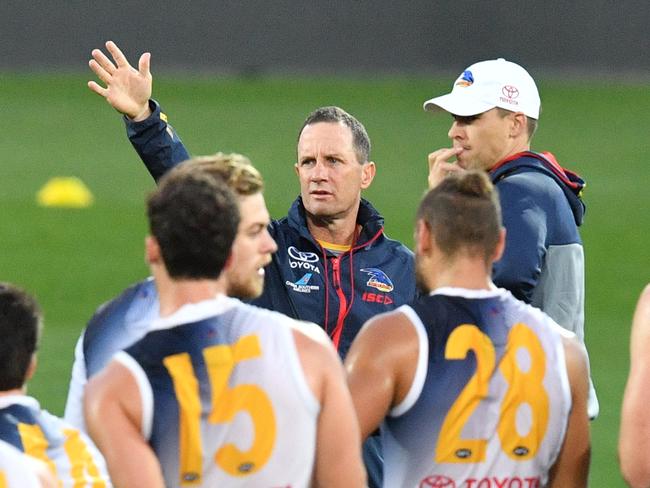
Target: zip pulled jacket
{"points": [[338, 292], [304, 281], [543, 263]]}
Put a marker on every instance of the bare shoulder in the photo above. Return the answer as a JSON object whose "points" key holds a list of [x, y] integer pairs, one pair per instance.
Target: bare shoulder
{"points": [[576, 358], [110, 379], [113, 387], [644, 300], [308, 334], [641, 321], [393, 328]]}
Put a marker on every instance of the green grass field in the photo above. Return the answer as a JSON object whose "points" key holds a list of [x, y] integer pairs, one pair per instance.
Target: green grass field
{"points": [[73, 260]]}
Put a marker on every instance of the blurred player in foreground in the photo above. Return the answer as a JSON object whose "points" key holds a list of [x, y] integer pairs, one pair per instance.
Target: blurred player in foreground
{"points": [[127, 318], [219, 393], [18, 470], [470, 383], [66, 451], [634, 441]]}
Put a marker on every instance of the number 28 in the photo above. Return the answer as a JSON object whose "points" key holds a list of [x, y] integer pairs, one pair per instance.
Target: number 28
{"points": [[523, 387]]}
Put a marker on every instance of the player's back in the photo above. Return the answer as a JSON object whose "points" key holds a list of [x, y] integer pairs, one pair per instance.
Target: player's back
{"points": [[114, 326], [67, 452], [226, 398], [490, 398], [15, 470]]}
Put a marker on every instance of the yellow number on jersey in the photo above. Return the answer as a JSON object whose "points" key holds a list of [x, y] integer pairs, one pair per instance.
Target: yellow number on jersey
{"points": [[81, 461], [451, 447], [3, 480], [220, 360], [524, 387]]}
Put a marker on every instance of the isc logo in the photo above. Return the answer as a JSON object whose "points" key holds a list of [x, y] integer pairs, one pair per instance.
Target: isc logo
{"points": [[377, 298]]}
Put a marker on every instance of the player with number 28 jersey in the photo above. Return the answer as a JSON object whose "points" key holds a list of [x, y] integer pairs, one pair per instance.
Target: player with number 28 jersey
{"points": [[487, 399]]}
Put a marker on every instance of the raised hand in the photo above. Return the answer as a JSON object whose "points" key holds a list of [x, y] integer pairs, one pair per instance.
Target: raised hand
{"points": [[127, 89]]}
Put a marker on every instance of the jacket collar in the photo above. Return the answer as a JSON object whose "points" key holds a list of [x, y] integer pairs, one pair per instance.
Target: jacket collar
{"points": [[571, 183], [368, 217]]}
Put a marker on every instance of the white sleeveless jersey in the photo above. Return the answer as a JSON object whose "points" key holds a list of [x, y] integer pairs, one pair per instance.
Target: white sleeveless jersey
{"points": [[69, 454], [226, 402], [15, 469], [490, 399]]}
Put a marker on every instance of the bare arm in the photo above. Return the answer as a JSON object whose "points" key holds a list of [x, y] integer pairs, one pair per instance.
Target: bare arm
{"points": [[113, 412], [572, 466], [380, 367], [634, 441], [127, 89], [338, 442]]}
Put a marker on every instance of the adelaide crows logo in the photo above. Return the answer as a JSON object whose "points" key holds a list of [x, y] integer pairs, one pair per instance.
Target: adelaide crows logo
{"points": [[466, 79], [378, 279]]}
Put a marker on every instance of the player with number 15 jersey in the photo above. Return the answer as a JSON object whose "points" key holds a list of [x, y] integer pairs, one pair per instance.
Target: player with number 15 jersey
{"points": [[225, 401]]}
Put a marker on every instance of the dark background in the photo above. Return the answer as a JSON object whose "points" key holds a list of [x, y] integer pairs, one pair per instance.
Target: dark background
{"points": [[592, 38]]}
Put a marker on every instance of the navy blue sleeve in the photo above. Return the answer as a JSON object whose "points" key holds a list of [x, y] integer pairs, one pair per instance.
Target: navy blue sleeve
{"points": [[156, 142], [520, 267]]}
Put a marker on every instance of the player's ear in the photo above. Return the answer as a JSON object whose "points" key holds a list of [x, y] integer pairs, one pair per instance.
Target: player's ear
{"points": [[501, 245], [368, 171], [229, 260], [519, 125], [151, 250], [31, 369], [422, 238]]}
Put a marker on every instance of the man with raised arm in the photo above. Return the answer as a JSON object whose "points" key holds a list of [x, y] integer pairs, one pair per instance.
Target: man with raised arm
{"points": [[334, 266]]}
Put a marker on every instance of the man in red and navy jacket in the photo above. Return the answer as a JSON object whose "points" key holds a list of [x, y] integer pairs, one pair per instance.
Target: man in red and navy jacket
{"points": [[334, 265], [338, 285]]}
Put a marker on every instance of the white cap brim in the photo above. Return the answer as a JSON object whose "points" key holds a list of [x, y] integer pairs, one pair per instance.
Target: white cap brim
{"points": [[457, 105]]}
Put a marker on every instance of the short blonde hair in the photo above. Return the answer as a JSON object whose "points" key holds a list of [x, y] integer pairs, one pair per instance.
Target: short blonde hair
{"points": [[235, 169]]}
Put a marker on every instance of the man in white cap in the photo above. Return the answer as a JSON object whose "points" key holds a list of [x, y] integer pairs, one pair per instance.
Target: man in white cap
{"points": [[495, 107]]}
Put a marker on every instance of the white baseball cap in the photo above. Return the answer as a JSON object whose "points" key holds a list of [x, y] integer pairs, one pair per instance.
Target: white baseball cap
{"points": [[488, 84]]}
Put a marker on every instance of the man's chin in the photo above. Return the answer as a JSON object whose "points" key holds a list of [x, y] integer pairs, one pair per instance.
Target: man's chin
{"points": [[245, 291]]}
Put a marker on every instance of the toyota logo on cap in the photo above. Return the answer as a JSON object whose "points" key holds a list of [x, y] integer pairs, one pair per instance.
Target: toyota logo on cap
{"points": [[510, 91]]}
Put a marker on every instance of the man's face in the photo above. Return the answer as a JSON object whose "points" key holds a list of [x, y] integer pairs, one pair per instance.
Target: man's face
{"points": [[252, 249], [331, 177], [483, 139]]}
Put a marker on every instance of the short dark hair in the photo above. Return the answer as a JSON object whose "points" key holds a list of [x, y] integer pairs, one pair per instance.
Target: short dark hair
{"points": [[237, 170], [20, 329], [335, 115], [194, 217], [464, 214]]}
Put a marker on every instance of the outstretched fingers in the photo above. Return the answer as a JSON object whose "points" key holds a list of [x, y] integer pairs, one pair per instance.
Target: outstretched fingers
{"points": [[118, 55], [102, 60], [98, 89], [144, 64], [101, 73]]}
